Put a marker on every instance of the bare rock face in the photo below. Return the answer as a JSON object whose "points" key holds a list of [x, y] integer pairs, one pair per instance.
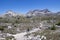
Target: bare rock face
{"points": [[38, 12]]}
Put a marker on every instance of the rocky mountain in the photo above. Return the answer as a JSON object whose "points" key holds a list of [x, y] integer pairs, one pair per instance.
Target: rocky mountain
{"points": [[38, 12], [10, 13], [58, 13]]}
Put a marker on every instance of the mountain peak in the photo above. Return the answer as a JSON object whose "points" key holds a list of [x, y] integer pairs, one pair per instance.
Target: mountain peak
{"points": [[45, 10], [10, 13], [39, 12]]}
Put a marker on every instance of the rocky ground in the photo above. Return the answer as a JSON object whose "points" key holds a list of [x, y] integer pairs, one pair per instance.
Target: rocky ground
{"points": [[24, 28]]}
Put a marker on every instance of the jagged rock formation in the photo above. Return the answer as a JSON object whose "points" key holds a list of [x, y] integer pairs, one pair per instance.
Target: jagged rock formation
{"points": [[38, 12]]}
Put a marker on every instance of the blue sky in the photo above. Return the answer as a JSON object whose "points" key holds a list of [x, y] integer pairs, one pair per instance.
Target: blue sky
{"points": [[24, 6]]}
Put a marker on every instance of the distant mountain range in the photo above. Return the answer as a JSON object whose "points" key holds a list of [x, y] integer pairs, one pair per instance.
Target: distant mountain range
{"points": [[11, 13], [44, 12], [36, 12]]}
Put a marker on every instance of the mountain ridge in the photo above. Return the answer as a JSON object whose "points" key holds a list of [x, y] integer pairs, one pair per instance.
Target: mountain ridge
{"points": [[36, 12]]}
